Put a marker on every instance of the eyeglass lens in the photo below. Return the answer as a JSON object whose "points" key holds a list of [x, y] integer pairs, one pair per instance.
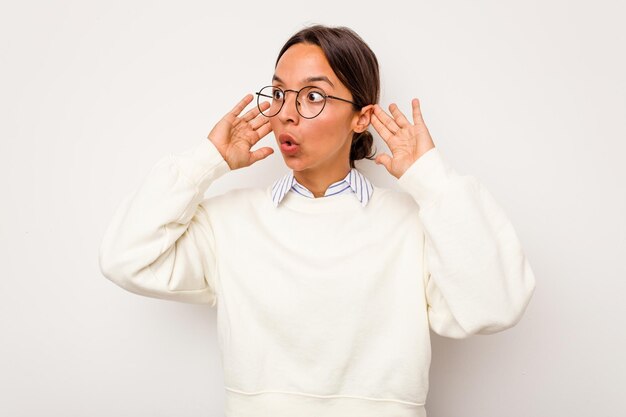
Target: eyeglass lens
{"points": [[310, 101]]}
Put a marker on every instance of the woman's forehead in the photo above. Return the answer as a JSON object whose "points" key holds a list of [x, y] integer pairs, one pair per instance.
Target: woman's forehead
{"points": [[304, 63], [307, 80]]}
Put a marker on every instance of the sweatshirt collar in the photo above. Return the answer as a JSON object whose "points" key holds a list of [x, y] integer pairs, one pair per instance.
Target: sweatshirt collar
{"points": [[359, 185]]}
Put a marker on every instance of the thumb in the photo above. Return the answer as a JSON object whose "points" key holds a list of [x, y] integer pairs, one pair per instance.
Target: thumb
{"points": [[384, 159], [259, 154]]}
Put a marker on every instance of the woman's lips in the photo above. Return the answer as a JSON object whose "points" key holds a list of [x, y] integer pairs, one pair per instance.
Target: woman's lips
{"points": [[289, 148], [288, 145]]}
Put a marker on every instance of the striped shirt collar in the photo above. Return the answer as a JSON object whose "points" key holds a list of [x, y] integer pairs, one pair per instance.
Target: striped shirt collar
{"points": [[355, 182]]}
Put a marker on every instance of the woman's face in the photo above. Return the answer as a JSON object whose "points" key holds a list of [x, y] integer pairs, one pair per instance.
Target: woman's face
{"points": [[324, 141]]}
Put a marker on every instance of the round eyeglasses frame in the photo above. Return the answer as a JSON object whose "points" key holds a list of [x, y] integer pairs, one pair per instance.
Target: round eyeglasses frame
{"points": [[326, 97]]}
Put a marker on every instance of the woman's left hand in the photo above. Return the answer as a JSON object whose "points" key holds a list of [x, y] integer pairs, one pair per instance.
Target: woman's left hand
{"points": [[406, 141]]}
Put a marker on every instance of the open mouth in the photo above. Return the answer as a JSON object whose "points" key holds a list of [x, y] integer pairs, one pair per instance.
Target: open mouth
{"points": [[288, 147], [287, 138]]}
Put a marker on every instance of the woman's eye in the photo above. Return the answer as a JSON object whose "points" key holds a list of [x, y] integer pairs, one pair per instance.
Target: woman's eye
{"points": [[277, 94], [315, 96]]}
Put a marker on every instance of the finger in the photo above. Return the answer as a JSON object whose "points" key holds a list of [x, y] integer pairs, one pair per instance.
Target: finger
{"points": [[258, 121], [397, 114], [385, 160], [240, 106], [389, 123], [253, 112], [380, 127], [260, 154], [417, 111], [264, 129]]}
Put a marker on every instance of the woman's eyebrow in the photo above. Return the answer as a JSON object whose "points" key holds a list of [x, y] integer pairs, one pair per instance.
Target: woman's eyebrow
{"points": [[308, 80]]}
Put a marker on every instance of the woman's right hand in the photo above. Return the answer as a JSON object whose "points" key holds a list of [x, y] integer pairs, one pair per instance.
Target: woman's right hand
{"points": [[234, 136]]}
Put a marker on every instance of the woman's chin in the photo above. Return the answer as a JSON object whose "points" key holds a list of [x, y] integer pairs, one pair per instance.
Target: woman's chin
{"points": [[292, 162]]}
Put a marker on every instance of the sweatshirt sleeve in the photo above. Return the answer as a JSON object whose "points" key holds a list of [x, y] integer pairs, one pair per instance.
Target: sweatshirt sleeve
{"points": [[160, 242], [477, 278]]}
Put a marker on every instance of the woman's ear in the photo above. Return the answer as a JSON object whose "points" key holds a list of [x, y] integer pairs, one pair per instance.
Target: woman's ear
{"points": [[362, 121]]}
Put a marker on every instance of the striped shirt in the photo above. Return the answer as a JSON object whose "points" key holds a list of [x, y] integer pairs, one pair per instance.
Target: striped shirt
{"points": [[355, 182]]}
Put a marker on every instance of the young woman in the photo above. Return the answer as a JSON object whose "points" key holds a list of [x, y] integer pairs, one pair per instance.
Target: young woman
{"points": [[326, 287]]}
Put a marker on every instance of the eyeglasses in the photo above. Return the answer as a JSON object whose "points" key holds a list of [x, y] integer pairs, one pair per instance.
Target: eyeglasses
{"points": [[310, 100]]}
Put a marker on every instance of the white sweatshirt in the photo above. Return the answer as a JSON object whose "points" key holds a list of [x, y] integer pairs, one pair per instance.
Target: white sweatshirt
{"points": [[324, 305]]}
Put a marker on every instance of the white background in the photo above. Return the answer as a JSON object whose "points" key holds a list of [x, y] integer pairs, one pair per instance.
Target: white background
{"points": [[530, 97]]}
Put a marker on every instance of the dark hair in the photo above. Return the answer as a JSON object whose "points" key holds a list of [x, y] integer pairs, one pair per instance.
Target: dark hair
{"points": [[356, 67]]}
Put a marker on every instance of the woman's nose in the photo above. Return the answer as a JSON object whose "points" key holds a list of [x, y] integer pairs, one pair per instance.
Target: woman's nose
{"points": [[289, 111]]}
